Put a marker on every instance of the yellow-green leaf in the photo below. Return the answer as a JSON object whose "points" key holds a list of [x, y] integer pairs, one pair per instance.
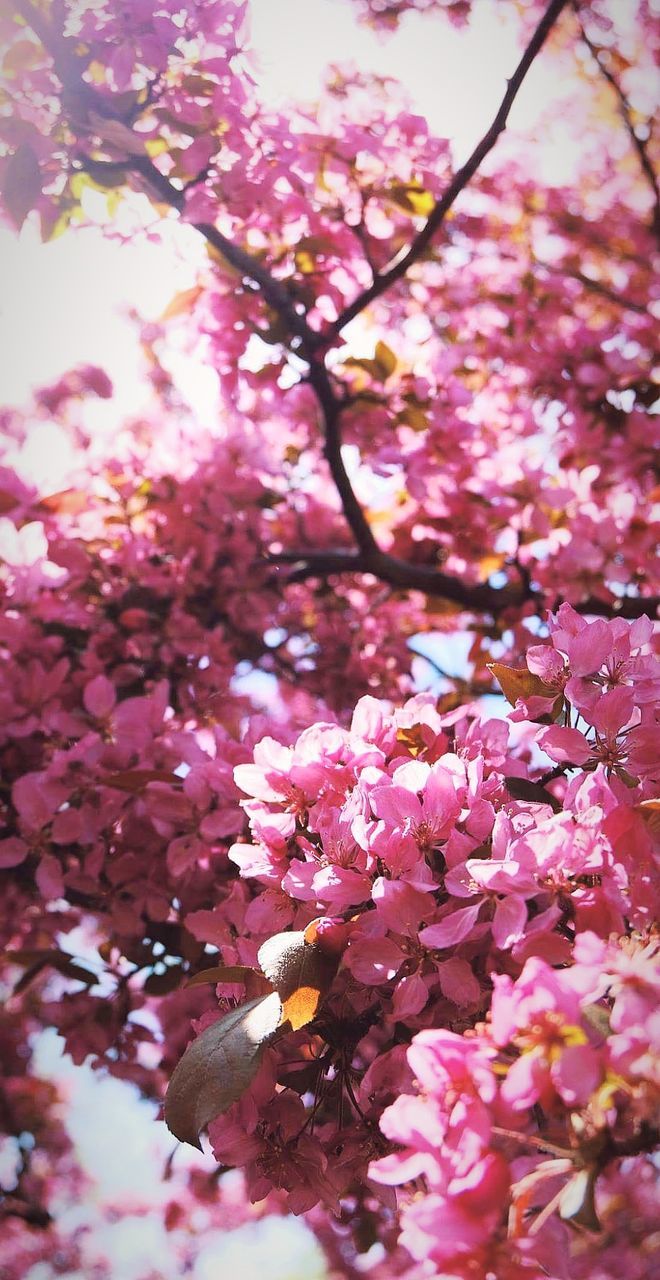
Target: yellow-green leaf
{"points": [[385, 359], [305, 261], [412, 199], [182, 302], [219, 1066]]}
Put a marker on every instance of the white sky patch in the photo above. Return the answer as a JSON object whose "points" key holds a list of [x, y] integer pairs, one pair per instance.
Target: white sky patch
{"points": [[123, 1149], [65, 303], [276, 1248]]}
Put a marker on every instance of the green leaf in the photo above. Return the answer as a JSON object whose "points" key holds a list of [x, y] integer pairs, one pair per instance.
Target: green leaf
{"points": [[219, 1066]]}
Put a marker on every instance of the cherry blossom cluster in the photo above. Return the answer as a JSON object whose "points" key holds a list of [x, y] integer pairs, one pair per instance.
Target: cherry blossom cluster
{"points": [[577, 1046], [407, 801], [211, 726], [458, 902]]}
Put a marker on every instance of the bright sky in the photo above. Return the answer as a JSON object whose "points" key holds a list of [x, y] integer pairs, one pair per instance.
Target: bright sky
{"points": [[106, 1120]]}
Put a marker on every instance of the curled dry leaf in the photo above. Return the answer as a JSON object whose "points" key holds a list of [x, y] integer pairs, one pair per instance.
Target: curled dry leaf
{"points": [[649, 810], [518, 683], [218, 1067], [301, 972]]}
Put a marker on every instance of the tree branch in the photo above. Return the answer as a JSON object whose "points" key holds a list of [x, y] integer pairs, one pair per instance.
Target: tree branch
{"points": [[275, 293], [331, 409], [460, 181], [68, 67], [369, 558], [625, 111], [593, 286], [473, 597]]}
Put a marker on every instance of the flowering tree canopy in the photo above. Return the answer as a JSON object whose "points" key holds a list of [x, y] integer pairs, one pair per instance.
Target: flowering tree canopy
{"points": [[393, 953]]}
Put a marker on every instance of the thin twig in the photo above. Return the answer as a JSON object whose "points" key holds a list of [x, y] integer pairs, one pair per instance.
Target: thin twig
{"points": [[625, 111], [594, 286], [460, 180]]}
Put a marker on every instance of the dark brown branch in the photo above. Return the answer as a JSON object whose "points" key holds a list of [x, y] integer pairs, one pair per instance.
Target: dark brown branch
{"points": [[625, 111], [280, 300], [274, 292], [331, 408], [479, 598], [475, 598], [461, 179]]}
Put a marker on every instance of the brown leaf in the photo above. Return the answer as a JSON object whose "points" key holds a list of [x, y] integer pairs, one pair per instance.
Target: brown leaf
{"points": [[301, 1006], [520, 683], [68, 502], [649, 810], [300, 971], [7, 501], [254, 982], [160, 984], [532, 793], [21, 184], [413, 739], [36, 960], [182, 303], [219, 1066], [385, 359]]}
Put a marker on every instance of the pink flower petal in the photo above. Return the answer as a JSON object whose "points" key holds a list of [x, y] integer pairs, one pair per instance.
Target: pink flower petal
{"points": [[452, 930], [509, 921], [566, 746]]}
